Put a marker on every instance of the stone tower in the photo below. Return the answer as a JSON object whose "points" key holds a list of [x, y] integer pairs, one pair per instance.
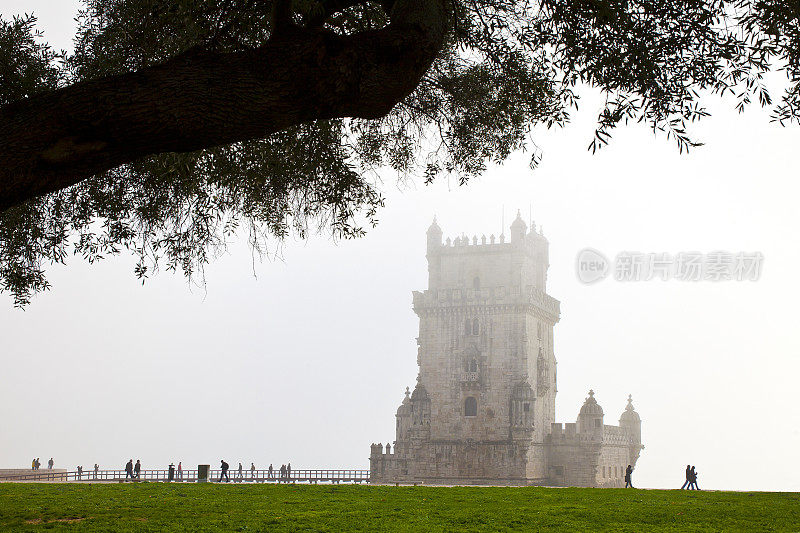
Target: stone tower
{"points": [[483, 408]]}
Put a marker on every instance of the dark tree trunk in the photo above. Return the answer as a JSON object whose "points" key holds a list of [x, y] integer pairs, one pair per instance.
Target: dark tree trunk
{"points": [[203, 99]]}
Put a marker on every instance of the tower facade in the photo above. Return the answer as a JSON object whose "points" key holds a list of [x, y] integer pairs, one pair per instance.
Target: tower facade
{"points": [[483, 408]]}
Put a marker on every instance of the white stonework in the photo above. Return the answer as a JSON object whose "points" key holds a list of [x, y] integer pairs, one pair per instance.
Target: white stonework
{"points": [[483, 409]]}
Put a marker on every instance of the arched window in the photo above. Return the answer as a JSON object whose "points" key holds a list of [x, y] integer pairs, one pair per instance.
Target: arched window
{"points": [[473, 366], [476, 327], [470, 407], [476, 283]]}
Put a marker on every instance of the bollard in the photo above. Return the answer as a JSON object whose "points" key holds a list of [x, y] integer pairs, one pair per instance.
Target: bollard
{"points": [[202, 473]]}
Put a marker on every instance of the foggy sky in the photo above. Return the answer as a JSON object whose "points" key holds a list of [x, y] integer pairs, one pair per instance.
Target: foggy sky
{"points": [[307, 360]]}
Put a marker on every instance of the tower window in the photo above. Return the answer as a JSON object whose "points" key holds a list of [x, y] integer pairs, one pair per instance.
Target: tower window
{"points": [[476, 327], [526, 407], [473, 366], [597, 422], [470, 407]]}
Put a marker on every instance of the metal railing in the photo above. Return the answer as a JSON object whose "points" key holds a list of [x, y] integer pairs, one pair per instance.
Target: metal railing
{"points": [[234, 476]]}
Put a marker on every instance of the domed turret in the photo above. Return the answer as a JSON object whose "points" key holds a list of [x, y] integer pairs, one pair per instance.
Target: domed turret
{"points": [[434, 236], [518, 229], [590, 419], [631, 422]]}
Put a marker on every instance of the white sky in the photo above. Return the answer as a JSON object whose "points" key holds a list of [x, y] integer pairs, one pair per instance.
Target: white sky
{"points": [[308, 362]]}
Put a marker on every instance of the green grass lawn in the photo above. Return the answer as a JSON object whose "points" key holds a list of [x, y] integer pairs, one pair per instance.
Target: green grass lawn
{"points": [[211, 507]]}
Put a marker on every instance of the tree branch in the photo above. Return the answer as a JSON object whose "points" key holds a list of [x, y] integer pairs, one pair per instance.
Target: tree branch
{"points": [[203, 99]]}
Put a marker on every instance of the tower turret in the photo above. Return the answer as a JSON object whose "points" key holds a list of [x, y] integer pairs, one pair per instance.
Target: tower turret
{"points": [[518, 229], [434, 237], [631, 422], [590, 419]]}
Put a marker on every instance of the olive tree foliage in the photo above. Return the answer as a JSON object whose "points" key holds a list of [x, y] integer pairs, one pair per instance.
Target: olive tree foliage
{"points": [[503, 67]]}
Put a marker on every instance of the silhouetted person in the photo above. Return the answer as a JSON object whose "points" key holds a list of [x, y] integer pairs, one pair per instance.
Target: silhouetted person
{"points": [[239, 474], [688, 477], [283, 472], [38, 463], [129, 469], [628, 472], [137, 469], [693, 479], [252, 471], [80, 471], [96, 468], [180, 471], [289, 470], [33, 464], [270, 472], [224, 469], [50, 464]]}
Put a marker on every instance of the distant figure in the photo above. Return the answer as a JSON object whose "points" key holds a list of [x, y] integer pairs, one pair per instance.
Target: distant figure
{"points": [[252, 471], [270, 472], [628, 472], [137, 469], [80, 471], [36, 464], [224, 469], [129, 469], [96, 468], [50, 464], [282, 472], [688, 477], [693, 479], [289, 470], [33, 464], [239, 475], [180, 471]]}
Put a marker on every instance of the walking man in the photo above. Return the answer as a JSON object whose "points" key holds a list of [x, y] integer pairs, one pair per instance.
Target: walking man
{"points": [[289, 470], [239, 474], [270, 471], [180, 471], [50, 464], [252, 471], [688, 477], [693, 479], [96, 468], [80, 471], [137, 468], [628, 472], [129, 469], [224, 469]]}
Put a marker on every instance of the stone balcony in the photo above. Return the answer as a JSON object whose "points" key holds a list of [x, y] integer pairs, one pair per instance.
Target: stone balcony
{"points": [[444, 298]]}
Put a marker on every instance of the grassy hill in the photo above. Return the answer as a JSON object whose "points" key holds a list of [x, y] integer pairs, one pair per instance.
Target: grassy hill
{"points": [[211, 507]]}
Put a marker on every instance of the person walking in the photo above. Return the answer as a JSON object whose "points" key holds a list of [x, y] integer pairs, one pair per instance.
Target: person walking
{"points": [[239, 475], [33, 464], [224, 471], [693, 479], [137, 469], [50, 464], [252, 471], [282, 473], [180, 471], [289, 470], [96, 468], [270, 472], [129, 469], [628, 472], [688, 477], [80, 471]]}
